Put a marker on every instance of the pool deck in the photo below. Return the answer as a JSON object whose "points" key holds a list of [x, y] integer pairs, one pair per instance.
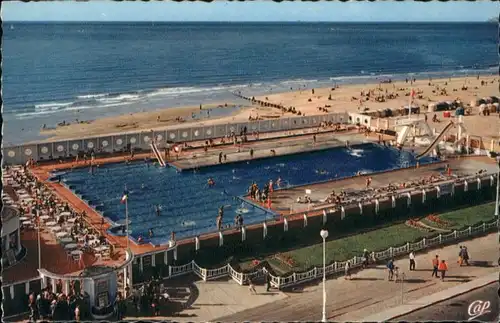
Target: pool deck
{"points": [[261, 150], [284, 200]]}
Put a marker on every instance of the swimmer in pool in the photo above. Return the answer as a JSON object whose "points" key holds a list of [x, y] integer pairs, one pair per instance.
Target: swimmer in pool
{"points": [[158, 210], [210, 182], [143, 186]]}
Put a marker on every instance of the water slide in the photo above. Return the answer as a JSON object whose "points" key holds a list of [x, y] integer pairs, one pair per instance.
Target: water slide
{"points": [[436, 140], [157, 153], [402, 135]]}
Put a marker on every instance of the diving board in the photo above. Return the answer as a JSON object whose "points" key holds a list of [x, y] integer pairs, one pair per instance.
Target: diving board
{"points": [[157, 154]]}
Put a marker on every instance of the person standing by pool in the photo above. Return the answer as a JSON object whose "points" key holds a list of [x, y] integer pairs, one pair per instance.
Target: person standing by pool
{"points": [[220, 157], [278, 182], [251, 153], [218, 221]]}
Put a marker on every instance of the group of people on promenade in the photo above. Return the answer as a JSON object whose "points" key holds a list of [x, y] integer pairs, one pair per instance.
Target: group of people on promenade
{"points": [[439, 266], [150, 297], [48, 305]]}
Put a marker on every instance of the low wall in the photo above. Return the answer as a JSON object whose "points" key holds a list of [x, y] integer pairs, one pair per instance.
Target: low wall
{"points": [[254, 238]]}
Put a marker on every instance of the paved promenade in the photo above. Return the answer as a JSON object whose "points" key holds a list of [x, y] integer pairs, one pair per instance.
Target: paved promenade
{"points": [[367, 293]]}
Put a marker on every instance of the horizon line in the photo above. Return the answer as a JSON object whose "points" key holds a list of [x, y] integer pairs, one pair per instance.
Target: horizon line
{"points": [[245, 21]]}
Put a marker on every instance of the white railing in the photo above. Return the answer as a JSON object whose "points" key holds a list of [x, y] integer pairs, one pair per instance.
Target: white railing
{"points": [[236, 276], [201, 272], [174, 271], [336, 267], [216, 273]]}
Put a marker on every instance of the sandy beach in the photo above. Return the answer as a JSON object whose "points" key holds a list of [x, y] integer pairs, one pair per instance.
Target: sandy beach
{"points": [[350, 98]]}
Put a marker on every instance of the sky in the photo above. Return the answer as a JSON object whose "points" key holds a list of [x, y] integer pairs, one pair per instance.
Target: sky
{"points": [[102, 10]]}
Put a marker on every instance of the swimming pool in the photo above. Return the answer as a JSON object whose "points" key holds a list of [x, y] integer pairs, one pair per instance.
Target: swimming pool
{"points": [[189, 207]]}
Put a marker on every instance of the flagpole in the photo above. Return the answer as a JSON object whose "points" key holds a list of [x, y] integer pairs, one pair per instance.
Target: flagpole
{"points": [[126, 220], [39, 247], [409, 105]]}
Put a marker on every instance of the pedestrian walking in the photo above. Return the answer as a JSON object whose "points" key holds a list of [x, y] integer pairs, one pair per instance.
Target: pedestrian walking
{"points": [[77, 313], [460, 256], [251, 287], [443, 267], [347, 270], [390, 268], [435, 264], [466, 256], [33, 307], [366, 257], [268, 282], [412, 261]]}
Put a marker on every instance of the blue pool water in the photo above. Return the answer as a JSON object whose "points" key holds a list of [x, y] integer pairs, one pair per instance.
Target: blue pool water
{"points": [[189, 207]]}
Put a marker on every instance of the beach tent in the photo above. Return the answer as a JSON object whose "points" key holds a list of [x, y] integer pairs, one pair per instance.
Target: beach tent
{"points": [[438, 106], [477, 102]]}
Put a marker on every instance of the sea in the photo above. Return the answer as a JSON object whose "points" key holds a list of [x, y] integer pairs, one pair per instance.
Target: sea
{"points": [[55, 72]]}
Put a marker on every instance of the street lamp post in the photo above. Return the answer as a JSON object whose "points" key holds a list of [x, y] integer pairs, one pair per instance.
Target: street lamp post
{"points": [[324, 235], [498, 190]]}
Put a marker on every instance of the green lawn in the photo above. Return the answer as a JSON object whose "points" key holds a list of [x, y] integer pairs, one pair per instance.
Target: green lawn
{"points": [[348, 247], [469, 216], [376, 240]]}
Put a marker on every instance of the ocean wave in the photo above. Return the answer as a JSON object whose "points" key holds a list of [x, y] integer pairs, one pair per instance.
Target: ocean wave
{"points": [[34, 114], [92, 96], [52, 106], [295, 81], [86, 107], [118, 98]]}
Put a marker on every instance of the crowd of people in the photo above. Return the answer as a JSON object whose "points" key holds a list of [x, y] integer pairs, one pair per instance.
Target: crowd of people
{"points": [[48, 305], [370, 193], [39, 206]]}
